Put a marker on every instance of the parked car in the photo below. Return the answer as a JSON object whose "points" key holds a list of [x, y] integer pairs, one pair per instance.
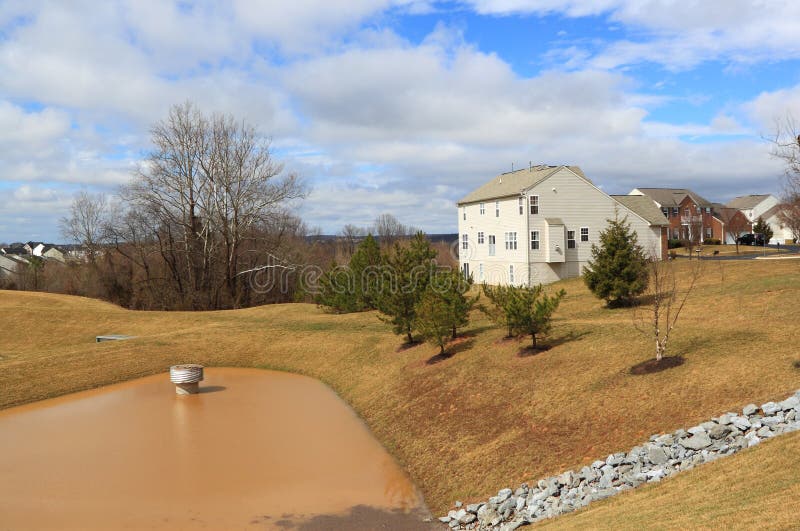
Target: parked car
{"points": [[751, 239]]}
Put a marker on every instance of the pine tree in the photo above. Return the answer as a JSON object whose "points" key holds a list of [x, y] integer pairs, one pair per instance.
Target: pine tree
{"points": [[434, 318], [617, 271], [531, 310], [366, 269], [500, 309], [411, 268], [454, 288], [763, 228]]}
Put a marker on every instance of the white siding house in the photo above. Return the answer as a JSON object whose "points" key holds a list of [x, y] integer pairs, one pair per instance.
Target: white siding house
{"points": [[537, 225], [766, 207]]}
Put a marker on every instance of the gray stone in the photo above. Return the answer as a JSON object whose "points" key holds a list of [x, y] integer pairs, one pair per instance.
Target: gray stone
{"points": [[657, 455], [725, 419], [741, 423], [749, 409], [444, 519], [719, 431], [694, 430], [598, 464], [770, 408], [665, 440], [773, 421], [764, 432], [504, 494], [474, 507], [467, 519], [708, 425], [520, 504], [793, 402], [507, 505], [565, 479], [606, 481], [615, 459], [697, 442]]}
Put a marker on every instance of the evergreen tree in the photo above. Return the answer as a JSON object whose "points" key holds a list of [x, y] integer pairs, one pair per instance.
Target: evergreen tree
{"points": [[763, 228], [353, 288], [617, 271], [434, 318], [411, 267], [500, 309], [454, 288], [531, 310]]}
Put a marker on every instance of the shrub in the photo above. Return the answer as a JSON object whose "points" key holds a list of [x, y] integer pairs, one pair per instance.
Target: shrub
{"points": [[712, 241], [674, 244]]}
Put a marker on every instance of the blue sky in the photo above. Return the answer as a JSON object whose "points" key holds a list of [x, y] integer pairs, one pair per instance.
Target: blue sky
{"points": [[398, 106]]}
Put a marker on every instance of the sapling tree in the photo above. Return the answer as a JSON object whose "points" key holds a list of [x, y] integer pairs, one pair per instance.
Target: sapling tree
{"points": [[665, 298], [532, 310], [762, 227]]}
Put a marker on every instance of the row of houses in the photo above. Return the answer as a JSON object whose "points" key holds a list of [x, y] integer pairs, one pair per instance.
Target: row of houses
{"points": [[17, 255], [538, 224]]}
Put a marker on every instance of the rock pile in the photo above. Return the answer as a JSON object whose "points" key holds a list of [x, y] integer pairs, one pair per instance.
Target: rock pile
{"points": [[661, 456]]}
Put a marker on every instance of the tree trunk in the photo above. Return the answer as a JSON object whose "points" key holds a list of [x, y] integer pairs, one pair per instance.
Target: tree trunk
{"points": [[410, 337], [454, 331], [534, 340]]}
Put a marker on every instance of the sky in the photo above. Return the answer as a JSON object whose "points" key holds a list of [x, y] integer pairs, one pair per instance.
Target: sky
{"points": [[398, 106]]}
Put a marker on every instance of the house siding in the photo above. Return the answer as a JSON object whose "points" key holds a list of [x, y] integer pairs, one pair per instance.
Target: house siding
{"points": [[571, 203]]}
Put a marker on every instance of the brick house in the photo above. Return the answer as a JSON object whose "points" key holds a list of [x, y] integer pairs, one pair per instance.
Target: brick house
{"points": [[690, 216]]}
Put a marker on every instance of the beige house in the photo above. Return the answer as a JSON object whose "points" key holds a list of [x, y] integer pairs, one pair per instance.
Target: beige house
{"points": [[537, 225]]}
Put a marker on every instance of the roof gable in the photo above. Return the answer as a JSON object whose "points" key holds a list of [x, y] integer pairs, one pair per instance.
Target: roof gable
{"points": [[642, 206], [672, 197], [514, 183], [747, 201]]}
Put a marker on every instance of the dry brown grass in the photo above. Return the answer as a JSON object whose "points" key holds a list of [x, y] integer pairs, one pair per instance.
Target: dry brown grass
{"points": [[757, 489], [466, 426]]}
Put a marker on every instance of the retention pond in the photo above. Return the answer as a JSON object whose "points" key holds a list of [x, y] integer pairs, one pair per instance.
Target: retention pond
{"points": [[254, 449]]}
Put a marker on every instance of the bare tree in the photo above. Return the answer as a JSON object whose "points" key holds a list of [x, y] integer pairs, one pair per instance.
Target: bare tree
{"points": [[87, 222], [735, 222], [351, 235], [208, 192], [389, 229], [786, 147], [665, 299]]}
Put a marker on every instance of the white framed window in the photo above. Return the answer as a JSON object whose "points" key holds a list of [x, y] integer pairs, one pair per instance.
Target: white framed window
{"points": [[708, 232], [665, 211], [534, 239], [708, 210], [511, 274], [521, 202], [497, 209], [483, 209], [687, 212], [511, 241], [492, 245], [480, 238], [465, 241], [480, 272], [570, 239], [464, 212], [534, 201], [675, 212], [584, 234]]}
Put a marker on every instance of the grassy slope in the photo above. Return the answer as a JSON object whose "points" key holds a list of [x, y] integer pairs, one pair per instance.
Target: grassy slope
{"points": [[466, 426], [757, 489]]}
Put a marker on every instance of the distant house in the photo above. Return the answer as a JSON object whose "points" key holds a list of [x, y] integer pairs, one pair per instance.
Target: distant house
{"points": [[53, 252], [767, 207], [735, 222], [691, 216], [537, 225], [35, 248], [10, 264]]}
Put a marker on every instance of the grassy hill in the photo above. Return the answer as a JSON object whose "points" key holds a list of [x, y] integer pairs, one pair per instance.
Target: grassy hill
{"points": [[466, 426]]}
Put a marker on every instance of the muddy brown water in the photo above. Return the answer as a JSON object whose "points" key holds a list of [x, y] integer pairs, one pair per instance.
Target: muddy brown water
{"points": [[255, 449]]}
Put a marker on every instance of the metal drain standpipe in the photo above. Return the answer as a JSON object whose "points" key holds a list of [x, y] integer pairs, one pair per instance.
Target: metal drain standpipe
{"points": [[186, 378]]}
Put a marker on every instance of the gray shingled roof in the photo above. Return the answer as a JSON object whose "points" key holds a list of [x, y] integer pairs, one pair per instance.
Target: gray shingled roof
{"points": [[671, 197], [746, 201], [644, 207], [513, 183]]}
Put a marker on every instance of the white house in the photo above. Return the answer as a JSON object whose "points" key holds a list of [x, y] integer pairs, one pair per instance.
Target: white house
{"points": [[767, 207], [537, 225]]}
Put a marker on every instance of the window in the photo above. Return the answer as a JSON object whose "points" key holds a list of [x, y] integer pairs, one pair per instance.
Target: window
{"points": [[483, 209], [584, 234], [480, 238], [464, 212], [464, 241], [511, 274], [698, 210], [480, 272], [570, 239], [534, 200], [521, 202], [686, 212], [491, 245], [708, 232], [511, 241], [497, 209], [675, 234], [675, 211], [534, 239], [708, 210], [665, 211]]}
